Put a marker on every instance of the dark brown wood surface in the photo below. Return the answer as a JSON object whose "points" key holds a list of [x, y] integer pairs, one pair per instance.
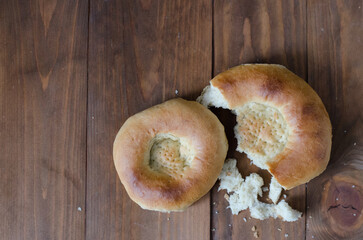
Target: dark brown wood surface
{"points": [[43, 107], [72, 72], [335, 70]]}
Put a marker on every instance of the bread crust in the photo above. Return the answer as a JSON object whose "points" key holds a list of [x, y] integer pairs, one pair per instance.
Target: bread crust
{"points": [[187, 120], [307, 151]]}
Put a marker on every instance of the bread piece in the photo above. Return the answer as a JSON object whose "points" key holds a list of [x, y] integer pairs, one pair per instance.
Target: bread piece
{"points": [[232, 179], [263, 211], [275, 190], [170, 155], [245, 193], [282, 124]]}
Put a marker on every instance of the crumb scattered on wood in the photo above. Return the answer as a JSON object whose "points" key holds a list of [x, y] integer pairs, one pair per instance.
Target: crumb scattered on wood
{"points": [[279, 229], [286, 235], [255, 234], [226, 196], [244, 219], [253, 228]]}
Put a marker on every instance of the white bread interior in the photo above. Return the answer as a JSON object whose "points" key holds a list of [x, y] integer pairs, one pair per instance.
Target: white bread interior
{"points": [[244, 193], [275, 190]]}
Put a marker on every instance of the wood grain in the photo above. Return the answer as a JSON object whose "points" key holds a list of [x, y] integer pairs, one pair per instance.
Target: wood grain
{"points": [[253, 32], [335, 72], [140, 53], [43, 93], [63, 100]]}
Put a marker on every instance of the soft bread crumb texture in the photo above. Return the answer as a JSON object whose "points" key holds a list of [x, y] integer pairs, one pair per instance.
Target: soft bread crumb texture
{"points": [[275, 190], [244, 195], [211, 96], [261, 132]]}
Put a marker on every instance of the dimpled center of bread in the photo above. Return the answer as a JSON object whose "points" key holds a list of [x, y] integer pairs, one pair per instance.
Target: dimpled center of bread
{"points": [[261, 132], [169, 156]]}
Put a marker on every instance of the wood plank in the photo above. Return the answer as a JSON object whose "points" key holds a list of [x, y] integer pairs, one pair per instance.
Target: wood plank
{"points": [[140, 53], [43, 93], [335, 72], [257, 32]]}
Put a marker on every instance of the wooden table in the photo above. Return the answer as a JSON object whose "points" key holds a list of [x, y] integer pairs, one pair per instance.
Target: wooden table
{"points": [[73, 71]]}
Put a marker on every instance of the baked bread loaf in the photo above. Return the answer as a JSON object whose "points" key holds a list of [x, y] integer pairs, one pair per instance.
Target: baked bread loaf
{"points": [[170, 155], [282, 124]]}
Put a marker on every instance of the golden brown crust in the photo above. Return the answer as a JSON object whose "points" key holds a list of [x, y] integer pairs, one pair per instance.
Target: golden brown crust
{"points": [[187, 120], [307, 151]]}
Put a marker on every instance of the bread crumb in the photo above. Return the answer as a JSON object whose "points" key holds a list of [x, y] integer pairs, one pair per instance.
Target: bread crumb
{"points": [[168, 219], [284, 195], [245, 193], [354, 214], [286, 235], [79, 209], [312, 236], [230, 178], [229, 225], [337, 199], [214, 203], [176, 91], [354, 143], [255, 234], [244, 219], [310, 217], [264, 189], [275, 190], [213, 229], [253, 228], [216, 212], [353, 186], [279, 229], [226, 196]]}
